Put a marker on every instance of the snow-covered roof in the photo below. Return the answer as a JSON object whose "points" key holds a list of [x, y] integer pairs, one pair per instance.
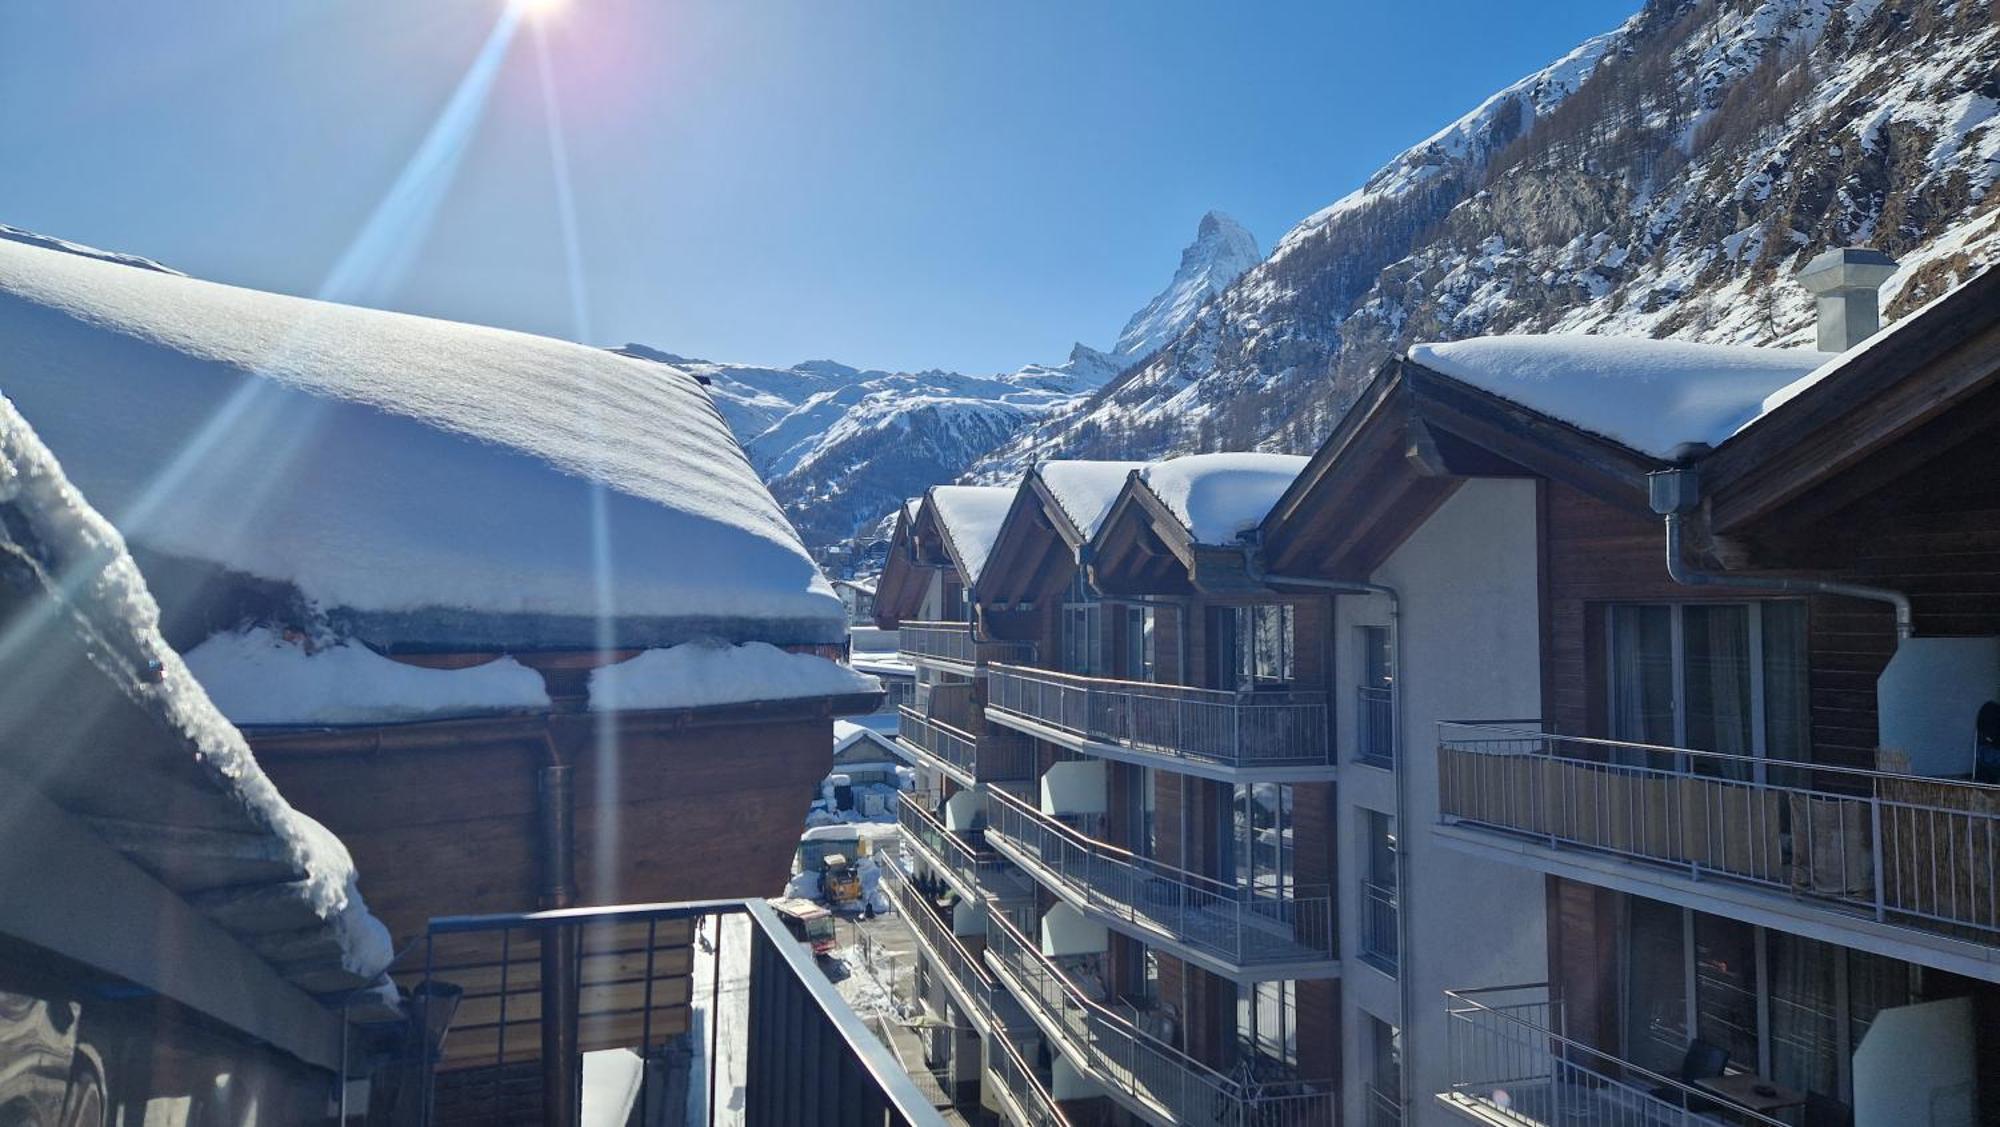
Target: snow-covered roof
{"points": [[1218, 497], [96, 594], [971, 516], [259, 676], [702, 674], [846, 734], [420, 481], [1649, 395], [1086, 490]]}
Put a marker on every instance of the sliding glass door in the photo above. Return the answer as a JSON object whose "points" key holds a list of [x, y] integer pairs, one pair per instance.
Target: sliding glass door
{"points": [[1721, 677]]}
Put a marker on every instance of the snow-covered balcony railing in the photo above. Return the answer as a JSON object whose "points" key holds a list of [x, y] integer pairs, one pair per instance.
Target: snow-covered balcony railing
{"points": [[965, 862], [1176, 723], [1024, 1098], [947, 748], [1199, 917], [1379, 940], [953, 642], [1510, 1062], [1154, 1078], [1917, 852]]}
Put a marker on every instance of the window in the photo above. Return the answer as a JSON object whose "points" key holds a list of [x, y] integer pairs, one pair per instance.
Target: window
{"points": [[1082, 631], [1253, 647], [1379, 941], [1267, 1022], [1374, 713], [1260, 836], [1142, 814], [1140, 655], [1385, 1063], [1722, 677]]}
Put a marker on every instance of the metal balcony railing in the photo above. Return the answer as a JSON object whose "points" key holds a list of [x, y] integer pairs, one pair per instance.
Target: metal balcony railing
{"points": [[1508, 1058], [939, 741], [944, 948], [1378, 925], [1384, 1107], [1024, 1098], [955, 854], [1919, 852], [1375, 725], [953, 642], [1158, 1077], [1175, 722], [1238, 925], [629, 985]]}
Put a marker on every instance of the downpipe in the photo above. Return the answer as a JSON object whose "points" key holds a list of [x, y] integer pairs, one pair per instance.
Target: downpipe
{"points": [[1676, 492], [562, 1098], [1405, 996]]}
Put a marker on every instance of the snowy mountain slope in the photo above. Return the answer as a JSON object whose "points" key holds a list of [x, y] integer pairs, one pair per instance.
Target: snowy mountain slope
{"points": [[1222, 250], [841, 447], [1665, 178]]}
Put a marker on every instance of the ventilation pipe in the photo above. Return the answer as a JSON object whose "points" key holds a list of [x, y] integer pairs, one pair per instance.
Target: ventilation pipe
{"points": [[1676, 492], [1847, 283]]}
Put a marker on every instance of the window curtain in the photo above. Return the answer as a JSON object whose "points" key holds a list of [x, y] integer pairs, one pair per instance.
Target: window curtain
{"points": [[1716, 680], [1656, 1035], [1787, 691], [1805, 1036], [1642, 678]]}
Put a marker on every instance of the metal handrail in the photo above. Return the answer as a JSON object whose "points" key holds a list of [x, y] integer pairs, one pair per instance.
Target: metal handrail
{"points": [[956, 641], [1874, 846], [1185, 907], [1375, 713], [1015, 1074], [1125, 1059], [942, 943], [1379, 936], [1230, 728], [948, 851], [1518, 1052], [935, 737]]}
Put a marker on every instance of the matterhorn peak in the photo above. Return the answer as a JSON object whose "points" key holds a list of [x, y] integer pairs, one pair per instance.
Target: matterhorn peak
{"points": [[1222, 250]]}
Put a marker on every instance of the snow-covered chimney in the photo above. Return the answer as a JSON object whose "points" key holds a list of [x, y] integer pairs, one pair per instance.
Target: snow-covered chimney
{"points": [[1847, 281]]}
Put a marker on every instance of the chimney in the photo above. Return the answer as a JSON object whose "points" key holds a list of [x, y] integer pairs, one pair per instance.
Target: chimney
{"points": [[1846, 280]]}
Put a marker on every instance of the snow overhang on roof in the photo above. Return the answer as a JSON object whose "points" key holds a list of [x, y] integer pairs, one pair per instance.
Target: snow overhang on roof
{"points": [[1086, 490], [99, 715], [970, 517], [422, 484], [1220, 497], [1652, 396]]}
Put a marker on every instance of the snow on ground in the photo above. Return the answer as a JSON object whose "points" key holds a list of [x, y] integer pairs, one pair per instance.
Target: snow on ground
{"points": [[720, 1009], [1086, 489], [1649, 395], [860, 988], [388, 463], [87, 556], [696, 674], [1221, 496], [971, 516], [260, 676], [611, 1081]]}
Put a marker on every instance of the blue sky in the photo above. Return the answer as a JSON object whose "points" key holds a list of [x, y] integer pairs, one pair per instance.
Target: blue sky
{"points": [[891, 184]]}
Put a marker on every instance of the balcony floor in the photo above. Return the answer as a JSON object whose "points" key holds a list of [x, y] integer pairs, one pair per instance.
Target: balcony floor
{"points": [[1166, 759], [1203, 936]]}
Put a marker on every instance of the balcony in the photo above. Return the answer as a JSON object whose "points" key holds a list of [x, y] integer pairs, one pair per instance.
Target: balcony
{"points": [[1375, 726], [952, 645], [1511, 1066], [1379, 939], [967, 865], [961, 967], [1891, 859], [632, 968], [1153, 1079], [1383, 1106], [939, 746], [1024, 1098], [1241, 933], [1234, 737]]}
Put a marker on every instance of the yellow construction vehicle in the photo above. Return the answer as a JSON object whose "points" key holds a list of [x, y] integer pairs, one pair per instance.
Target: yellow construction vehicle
{"points": [[839, 880]]}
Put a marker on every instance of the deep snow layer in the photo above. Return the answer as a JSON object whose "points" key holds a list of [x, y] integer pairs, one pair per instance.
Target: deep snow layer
{"points": [[89, 558], [699, 674], [1221, 496], [1650, 395], [389, 463], [1086, 490], [971, 516], [258, 676]]}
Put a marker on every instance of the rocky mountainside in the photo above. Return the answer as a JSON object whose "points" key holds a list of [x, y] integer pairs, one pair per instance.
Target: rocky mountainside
{"points": [[842, 447], [1664, 178]]}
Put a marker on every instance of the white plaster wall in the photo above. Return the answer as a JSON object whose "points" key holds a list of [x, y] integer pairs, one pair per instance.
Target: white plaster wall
{"points": [[1470, 648]]}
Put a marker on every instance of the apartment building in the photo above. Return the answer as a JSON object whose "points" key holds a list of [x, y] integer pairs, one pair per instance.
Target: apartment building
{"points": [[1769, 618]]}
